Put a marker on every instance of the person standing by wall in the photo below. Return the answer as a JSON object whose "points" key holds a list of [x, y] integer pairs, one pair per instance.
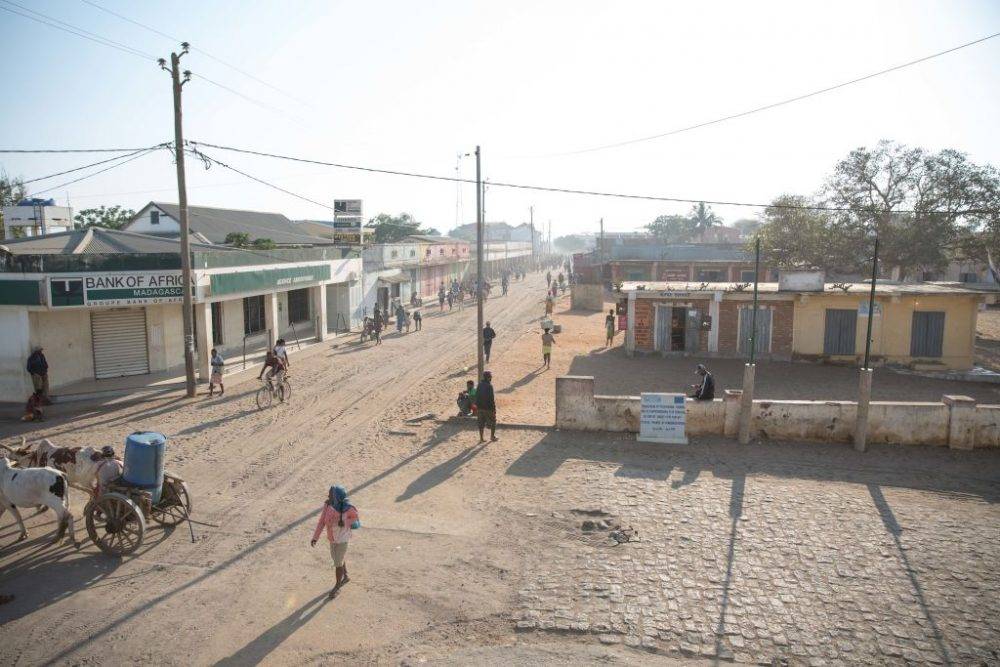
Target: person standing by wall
{"points": [[339, 517], [217, 363], [488, 335], [38, 368], [486, 407]]}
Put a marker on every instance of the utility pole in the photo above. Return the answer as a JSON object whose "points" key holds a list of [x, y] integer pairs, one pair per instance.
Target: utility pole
{"points": [[549, 244], [186, 306], [600, 256], [479, 267], [531, 214], [865, 377]]}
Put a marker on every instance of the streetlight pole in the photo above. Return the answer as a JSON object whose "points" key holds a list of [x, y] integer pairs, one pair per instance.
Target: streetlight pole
{"points": [[865, 375], [186, 305], [479, 267]]}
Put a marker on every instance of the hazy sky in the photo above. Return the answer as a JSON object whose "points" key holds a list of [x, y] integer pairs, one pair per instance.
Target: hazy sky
{"points": [[409, 85]]}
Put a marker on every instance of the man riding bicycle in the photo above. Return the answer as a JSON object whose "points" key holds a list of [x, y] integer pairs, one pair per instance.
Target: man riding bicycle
{"points": [[275, 362]]}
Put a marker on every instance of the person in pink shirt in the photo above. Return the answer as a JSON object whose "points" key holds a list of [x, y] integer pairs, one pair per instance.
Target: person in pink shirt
{"points": [[339, 517]]}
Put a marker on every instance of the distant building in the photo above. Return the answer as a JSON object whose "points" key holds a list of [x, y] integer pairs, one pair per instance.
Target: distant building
{"points": [[499, 231], [35, 217], [213, 225], [635, 260], [322, 228]]}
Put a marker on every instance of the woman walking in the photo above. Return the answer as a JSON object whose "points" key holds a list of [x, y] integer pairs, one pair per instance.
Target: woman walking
{"points": [[339, 517], [609, 326], [217, 363]]}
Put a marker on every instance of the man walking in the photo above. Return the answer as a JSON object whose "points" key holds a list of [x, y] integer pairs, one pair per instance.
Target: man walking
{"points": [[486, 407], [548, 340], [38, 368], [609, 326], [488, 335], [705, 390], [441, 298]]}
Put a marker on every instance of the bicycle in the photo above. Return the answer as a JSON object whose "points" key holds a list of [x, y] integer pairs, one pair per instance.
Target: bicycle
{"points": [[271, 390]]}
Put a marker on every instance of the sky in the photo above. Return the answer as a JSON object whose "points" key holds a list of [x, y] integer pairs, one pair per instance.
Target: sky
{"points": [[412, 86]]}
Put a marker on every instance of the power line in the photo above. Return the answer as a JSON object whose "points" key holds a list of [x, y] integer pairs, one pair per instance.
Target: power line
{"points": [[773, 105], [100, 171], [263, 105], [199, 50], [92, 164], [74, 30], [543, 188], [201, 155], [69, 150]]}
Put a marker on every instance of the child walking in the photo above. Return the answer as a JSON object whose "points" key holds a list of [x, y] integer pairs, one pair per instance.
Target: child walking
{"points": [[217, 363], [339, 517]]}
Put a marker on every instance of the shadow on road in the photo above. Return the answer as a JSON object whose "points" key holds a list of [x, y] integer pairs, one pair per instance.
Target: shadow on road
{"points": [[260, 647]]}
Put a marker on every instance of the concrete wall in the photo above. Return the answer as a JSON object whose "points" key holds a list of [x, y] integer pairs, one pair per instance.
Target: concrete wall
{"points": [[141, 224], [587, 297], [66, 337], [15, 383], [956, 422]]}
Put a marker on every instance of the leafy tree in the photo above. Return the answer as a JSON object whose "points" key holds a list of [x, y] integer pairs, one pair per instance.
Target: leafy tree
{"points": [[703, 217], [12, 190], [237, 239], [672, 228], [114, 217], [264, 244], [386, 228], [798, 238], [747, 226], [571, 243]]}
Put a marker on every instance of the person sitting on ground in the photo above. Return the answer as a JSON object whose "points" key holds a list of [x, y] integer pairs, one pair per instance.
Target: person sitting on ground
{"points": [[705, 390], [467, 400], [33, 408]]}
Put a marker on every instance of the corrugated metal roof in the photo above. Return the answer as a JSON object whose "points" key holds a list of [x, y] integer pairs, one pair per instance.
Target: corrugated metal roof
{"points": [[215, 224], [428, 238], [682, 252], [859, 289], [99, 242]]}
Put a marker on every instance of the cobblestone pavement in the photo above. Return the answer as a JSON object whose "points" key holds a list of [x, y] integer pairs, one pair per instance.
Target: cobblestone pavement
{"points": [[818, 559]]}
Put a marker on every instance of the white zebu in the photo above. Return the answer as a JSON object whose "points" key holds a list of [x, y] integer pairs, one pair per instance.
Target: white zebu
{"points": [[30, 487]]}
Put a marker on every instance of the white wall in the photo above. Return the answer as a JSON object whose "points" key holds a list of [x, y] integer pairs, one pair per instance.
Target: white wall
{"points": [[66, 337], [15, 383], [141, 224], [165, 336]]}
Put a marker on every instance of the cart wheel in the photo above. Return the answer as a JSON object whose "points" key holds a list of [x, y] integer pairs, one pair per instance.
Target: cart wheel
{"points": [[264, 397], [174, 505], [115, 524]]}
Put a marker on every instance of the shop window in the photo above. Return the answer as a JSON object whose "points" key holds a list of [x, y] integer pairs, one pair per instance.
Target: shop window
{"points": [[253, 314], [216, 323], [968, 277], [709, 276], [747, 276], [298, 305], [927, 334]]}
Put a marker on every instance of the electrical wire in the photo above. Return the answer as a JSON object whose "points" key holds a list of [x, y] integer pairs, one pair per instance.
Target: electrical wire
{"points": [[45, 19], [100, 171], [572, 191], [69, 150], [773, 105], [203, 156], [199, 50], [263, 105], [92, 164]]}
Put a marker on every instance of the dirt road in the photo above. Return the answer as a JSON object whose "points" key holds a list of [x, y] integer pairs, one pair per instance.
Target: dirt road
{"points": [[420, 569]]}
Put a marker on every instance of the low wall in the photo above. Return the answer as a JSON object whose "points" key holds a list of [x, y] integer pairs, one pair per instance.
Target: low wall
{"points": [[587, 297], [955, 422]]}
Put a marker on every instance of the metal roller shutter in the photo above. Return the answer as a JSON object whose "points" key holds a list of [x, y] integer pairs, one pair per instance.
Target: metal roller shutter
{"points": [[119, 340]]}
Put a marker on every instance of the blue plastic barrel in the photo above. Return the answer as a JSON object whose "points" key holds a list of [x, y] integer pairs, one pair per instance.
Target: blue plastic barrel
{"points": [[144, 452]]}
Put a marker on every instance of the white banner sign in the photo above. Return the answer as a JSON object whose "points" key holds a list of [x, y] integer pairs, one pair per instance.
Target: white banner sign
{"points": [[662, 419]]}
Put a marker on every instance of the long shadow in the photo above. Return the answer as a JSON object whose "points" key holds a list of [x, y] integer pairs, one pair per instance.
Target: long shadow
{"points": [[527, 379], [198, 428], [735, 512], [893, 528], [440, 473], [259, 648], [229, 562], [29, 428]]}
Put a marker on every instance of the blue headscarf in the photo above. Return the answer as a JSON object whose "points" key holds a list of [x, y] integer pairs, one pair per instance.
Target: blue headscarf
{"points": [[338, 499]]}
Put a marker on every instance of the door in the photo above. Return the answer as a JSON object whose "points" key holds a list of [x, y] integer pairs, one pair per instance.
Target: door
{"points": [[927, 334], [664, 317], [217, 323], [763, 337], [841, 331], [298, 305], [692, 329], [119, 342]]}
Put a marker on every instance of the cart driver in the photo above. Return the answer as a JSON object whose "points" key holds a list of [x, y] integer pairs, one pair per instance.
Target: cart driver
{"points": [[109, 469]]}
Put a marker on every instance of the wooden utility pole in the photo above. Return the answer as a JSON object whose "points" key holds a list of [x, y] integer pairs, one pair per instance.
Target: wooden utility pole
{"points": [[186, 306], [479, 268], [531, 217]]}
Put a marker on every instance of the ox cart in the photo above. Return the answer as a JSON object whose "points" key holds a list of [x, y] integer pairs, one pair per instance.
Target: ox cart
{"points": [[116, 520]]}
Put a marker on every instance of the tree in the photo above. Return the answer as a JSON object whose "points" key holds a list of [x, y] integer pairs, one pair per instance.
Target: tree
{"points": [[798, 238], [237, 239], [390, 229], [672, 228], [114, 217], [264, 244], [703, 217], [12, 191], [747, 226], [572, 243]]}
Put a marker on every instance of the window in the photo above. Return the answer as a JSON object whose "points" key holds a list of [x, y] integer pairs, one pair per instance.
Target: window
{"points": [[413, 253], [428, 252], [927, 334], [253, 314], [747, 276], [709, 276], [216, 323], [633, 275], [298, 305], [841, 331], [154, 217], [928, 275], [440, 251], [966, 277], [394, 254]]}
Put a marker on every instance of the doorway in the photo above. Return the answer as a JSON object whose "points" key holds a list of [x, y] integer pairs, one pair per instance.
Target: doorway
{"points": [[677, 329]]}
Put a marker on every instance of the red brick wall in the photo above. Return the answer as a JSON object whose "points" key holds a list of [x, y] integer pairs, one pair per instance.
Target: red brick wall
{"points": [[645, 319], [781, 327]]}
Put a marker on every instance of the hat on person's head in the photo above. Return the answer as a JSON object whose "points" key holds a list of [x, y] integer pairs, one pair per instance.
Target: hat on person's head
{"points": [[487, 375]]}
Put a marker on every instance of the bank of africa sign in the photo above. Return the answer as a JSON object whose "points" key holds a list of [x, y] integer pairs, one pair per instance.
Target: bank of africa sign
{"points": [[116, 289]]}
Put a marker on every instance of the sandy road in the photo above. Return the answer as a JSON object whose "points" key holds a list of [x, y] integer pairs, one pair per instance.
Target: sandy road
{"points": [[241, 589]]}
